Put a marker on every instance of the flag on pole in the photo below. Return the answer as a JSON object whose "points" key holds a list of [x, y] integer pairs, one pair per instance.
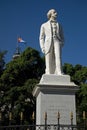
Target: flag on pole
{"points": [[20, 40]]}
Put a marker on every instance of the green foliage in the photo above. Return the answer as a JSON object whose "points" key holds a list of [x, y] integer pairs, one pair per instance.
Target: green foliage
{"points": [[83, 97], [20, 76], [78, 75], [2, 61], [68, 69], [17, 82]]}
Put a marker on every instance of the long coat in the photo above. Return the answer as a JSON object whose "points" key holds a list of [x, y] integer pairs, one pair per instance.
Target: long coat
{"points": [[46, 36]]}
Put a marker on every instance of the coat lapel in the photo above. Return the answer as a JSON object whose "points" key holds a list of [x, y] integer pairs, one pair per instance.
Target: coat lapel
{"points": [[49, 26]]}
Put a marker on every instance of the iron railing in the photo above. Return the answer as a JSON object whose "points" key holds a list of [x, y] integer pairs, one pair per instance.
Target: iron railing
{"points": [[45, 126]]}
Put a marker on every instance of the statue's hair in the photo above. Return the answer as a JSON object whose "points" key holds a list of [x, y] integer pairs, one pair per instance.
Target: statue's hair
{"points": [[49, 13]]}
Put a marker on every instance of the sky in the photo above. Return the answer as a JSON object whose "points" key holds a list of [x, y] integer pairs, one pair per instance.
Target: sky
{"points": [[24, 18]]}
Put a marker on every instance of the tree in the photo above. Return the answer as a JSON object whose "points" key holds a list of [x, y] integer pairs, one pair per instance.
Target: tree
{"points": [[2, 61], [20, 76], [17, 82], [68, 69], [78, 75]]}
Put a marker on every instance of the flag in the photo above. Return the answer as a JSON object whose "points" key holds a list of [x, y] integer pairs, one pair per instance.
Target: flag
{"points": [[20, 40]]}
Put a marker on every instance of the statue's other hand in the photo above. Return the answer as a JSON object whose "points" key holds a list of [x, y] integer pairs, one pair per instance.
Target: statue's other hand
{"points": [[43, 50]]}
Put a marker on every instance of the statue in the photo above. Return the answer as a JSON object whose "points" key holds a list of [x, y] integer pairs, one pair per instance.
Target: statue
{"points": [[51, 42]]}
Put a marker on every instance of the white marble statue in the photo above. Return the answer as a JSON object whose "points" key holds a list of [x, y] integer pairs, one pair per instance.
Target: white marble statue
{"points": [[51, 42]]}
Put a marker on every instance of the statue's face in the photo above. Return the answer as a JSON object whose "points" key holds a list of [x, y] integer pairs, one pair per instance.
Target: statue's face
{"points": [[53, 14]]}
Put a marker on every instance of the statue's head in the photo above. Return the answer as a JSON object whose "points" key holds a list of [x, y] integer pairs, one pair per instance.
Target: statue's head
{"points": [[50, 12]]}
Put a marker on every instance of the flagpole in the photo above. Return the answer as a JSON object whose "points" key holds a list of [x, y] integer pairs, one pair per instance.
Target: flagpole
{"points": [[18, 49], [20, 40]]}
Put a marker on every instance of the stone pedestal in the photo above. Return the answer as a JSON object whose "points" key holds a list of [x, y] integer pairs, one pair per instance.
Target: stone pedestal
{"points": [[55, 94]]}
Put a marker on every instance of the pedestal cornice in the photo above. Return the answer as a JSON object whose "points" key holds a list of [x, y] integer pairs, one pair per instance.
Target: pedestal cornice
{"points": [[55, 84]]}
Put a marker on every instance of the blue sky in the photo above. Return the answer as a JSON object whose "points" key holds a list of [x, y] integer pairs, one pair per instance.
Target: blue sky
{"points": [[24, 18]]}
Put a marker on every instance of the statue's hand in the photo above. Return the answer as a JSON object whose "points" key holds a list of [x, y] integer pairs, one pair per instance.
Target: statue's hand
{"points": [[43, 50]]}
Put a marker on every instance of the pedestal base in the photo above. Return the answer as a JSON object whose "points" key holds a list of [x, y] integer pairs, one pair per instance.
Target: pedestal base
{"points": [[55, 94]]}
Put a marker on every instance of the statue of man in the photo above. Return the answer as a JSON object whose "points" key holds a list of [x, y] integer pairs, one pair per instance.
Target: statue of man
{"points": [[51, 42]]}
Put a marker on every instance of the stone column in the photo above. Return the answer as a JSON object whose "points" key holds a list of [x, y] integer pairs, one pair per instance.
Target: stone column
{"points": [[55, 93]]}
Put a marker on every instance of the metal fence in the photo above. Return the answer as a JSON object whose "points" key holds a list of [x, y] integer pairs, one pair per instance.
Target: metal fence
{"points": [[45, 126]]}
